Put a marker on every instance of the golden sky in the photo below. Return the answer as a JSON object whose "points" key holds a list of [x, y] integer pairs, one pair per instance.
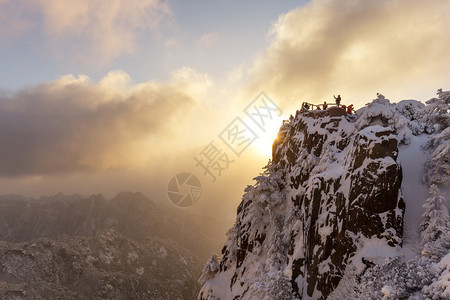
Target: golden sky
{"points": [[106, 96]]}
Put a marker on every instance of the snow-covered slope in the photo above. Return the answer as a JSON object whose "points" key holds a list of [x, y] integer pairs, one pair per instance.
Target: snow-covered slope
{"points": [[330, 206], [412, 158]]}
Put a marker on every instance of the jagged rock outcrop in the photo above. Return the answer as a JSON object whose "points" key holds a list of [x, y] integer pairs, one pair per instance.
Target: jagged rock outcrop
{"points": [[330, 186]]}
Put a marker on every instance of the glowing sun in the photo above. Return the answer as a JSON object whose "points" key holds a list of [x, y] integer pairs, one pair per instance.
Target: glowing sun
{"points": [[263, 144]]}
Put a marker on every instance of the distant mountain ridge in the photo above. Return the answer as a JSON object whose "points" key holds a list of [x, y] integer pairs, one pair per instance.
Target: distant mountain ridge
{"points": [[88, 247], [131, 214]]}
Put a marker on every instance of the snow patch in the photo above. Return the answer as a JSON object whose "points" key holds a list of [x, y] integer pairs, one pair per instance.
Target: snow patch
{"points": [[374, 250]]}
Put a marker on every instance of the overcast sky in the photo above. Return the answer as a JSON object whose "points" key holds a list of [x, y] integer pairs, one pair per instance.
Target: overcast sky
{"points": [[105, 96]]}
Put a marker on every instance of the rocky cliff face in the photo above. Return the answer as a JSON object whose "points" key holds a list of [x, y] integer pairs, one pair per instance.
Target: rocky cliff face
{"points": [[330, 187]]}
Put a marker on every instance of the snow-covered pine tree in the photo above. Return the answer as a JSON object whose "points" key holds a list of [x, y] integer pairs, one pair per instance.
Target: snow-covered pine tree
{"points": [[209, 269], [437, 117], [439, 288], [393, 279], [439, 164], [435, 226]]}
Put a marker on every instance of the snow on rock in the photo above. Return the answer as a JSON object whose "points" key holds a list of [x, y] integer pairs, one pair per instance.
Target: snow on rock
{"points": [[326, 218], [387, 291], [381, 112], [424, 276], [140, 271], [329, 186]]}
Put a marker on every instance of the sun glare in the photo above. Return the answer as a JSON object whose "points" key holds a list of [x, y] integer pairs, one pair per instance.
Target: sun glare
{"points": [[263, 144]]}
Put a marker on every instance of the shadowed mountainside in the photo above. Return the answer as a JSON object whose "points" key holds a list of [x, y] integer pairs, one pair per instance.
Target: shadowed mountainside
{"points": [[90, 247]]}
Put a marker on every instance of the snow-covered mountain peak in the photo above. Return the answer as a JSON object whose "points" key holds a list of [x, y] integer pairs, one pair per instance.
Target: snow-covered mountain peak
{"points": [[329, 204]]}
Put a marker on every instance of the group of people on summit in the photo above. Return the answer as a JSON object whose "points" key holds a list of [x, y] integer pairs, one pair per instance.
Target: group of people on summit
{"points": [[349, 109]]}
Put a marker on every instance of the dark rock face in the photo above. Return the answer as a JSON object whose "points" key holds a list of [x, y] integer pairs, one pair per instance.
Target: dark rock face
{"points": [[328, 188]]}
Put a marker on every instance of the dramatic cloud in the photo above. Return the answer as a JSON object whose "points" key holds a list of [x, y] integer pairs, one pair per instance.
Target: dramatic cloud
{"points": [[74, 136], [69, 125], [100, 30], [356, 48]]}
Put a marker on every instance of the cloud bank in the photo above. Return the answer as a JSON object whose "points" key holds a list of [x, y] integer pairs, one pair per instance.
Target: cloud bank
{"points": [[356, 48], [69, 125]]}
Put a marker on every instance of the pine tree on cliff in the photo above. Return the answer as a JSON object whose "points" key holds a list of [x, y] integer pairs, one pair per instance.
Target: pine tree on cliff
{"points": [[437, 117], [435, 225], [438, 166], [209, 269]]}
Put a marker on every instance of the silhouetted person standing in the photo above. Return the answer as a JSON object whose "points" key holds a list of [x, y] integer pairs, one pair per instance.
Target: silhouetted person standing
{"points": [[338, 100]]}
